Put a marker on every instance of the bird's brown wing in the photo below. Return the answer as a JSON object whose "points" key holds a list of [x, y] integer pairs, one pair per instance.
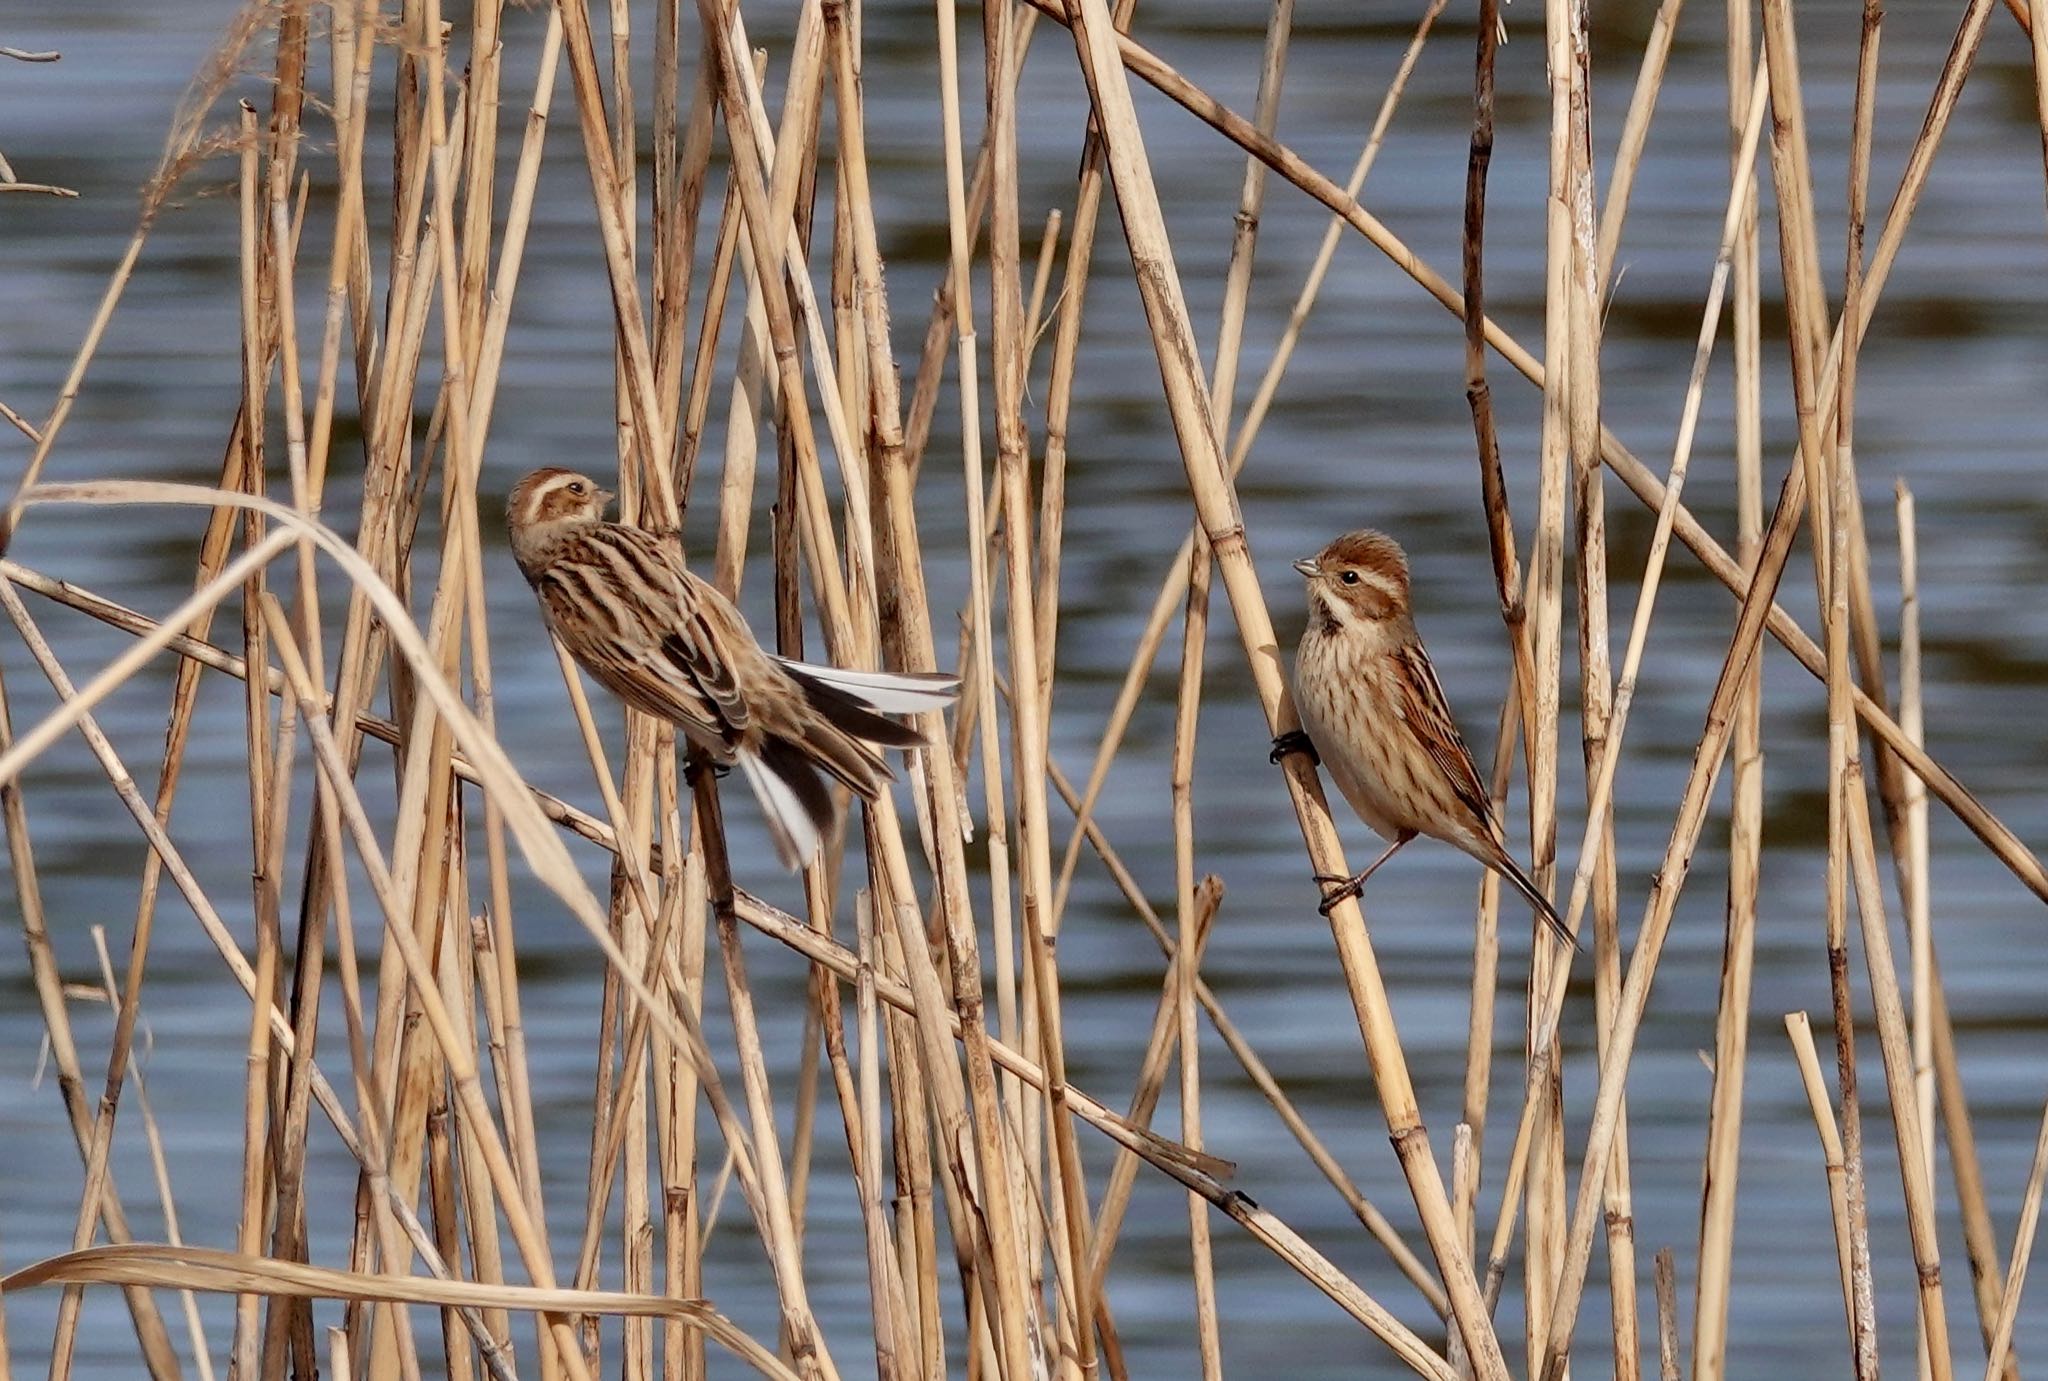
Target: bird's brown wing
{"points": [[1429, 718], [637, 620]]}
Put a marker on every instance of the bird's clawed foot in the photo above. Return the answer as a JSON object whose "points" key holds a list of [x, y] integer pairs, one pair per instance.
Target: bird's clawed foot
{"points": [[1339, 889], [1293, 741]]}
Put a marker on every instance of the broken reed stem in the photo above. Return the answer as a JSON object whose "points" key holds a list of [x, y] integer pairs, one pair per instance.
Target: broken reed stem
{"points": [[1833, 1160], [1667, 1317]]}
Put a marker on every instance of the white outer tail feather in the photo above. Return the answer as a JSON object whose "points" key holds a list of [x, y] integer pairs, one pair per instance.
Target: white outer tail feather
{"points": [[796, 836], [886, 692]]}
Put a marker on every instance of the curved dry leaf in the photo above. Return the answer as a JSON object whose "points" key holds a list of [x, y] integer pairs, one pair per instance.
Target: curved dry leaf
{"points": [[156, 1266]]}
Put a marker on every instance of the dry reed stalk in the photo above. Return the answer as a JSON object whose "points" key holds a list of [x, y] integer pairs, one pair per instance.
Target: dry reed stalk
{"points": [[292, 1326], [1589, 270], [151, 1336], [979, 701], [1896, 1047], [1229, 341], [1029, 726], [2022, 1252], [614, 229], [1519, 706], [1059, 396], [1564, 394], [1500, 525], [1916, 886], [190, 891], [1935, 1062], [1179, 999], [1635, 134], [256, 1110], [1723, 1159], [1979, 1237], [916, 420], [1186, 728], [1151, 1079], [1845, 759], [160, 1170], [906, 630], [1116, 1194], [1187, 398], [1854, 1306], [618, 1119], [1603, 778], [1806, 315], [1885, 989], [1485, 989], [1667, 1318], [1769, 567], [1008, 1325], [806, 1344], [896, 1342], [687, 1224]]}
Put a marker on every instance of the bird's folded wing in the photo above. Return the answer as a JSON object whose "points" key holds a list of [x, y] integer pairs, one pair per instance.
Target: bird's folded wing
{"points": [[1429, 719]]}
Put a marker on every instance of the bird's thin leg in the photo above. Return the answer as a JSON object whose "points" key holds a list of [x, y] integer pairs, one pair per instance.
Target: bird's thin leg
{"points": [[1352, 886]]}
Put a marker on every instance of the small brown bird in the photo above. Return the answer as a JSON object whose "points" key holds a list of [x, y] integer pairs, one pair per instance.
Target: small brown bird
{"points": [[1375, 716], [668, 644]]}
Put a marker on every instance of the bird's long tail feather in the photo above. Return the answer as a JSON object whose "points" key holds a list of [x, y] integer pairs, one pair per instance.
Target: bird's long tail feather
{"points": [[1506, 866], [842, 737], [797, 805], [883, 692]]}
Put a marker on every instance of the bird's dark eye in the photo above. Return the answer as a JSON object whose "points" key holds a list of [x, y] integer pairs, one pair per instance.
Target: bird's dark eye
{"points": [[578, 488], [1351, 577]]}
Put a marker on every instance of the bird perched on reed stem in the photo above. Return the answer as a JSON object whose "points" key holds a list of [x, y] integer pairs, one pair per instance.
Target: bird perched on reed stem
{"points": [[1373, 713], [621, 601]]}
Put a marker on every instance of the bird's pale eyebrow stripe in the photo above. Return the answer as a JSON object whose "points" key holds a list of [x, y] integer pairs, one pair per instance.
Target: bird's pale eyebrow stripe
{"points": [[1379, 580]]}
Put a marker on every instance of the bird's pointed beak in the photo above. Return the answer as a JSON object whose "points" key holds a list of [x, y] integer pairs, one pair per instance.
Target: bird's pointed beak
{"points": [[1308, 567], [604, 498]]}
